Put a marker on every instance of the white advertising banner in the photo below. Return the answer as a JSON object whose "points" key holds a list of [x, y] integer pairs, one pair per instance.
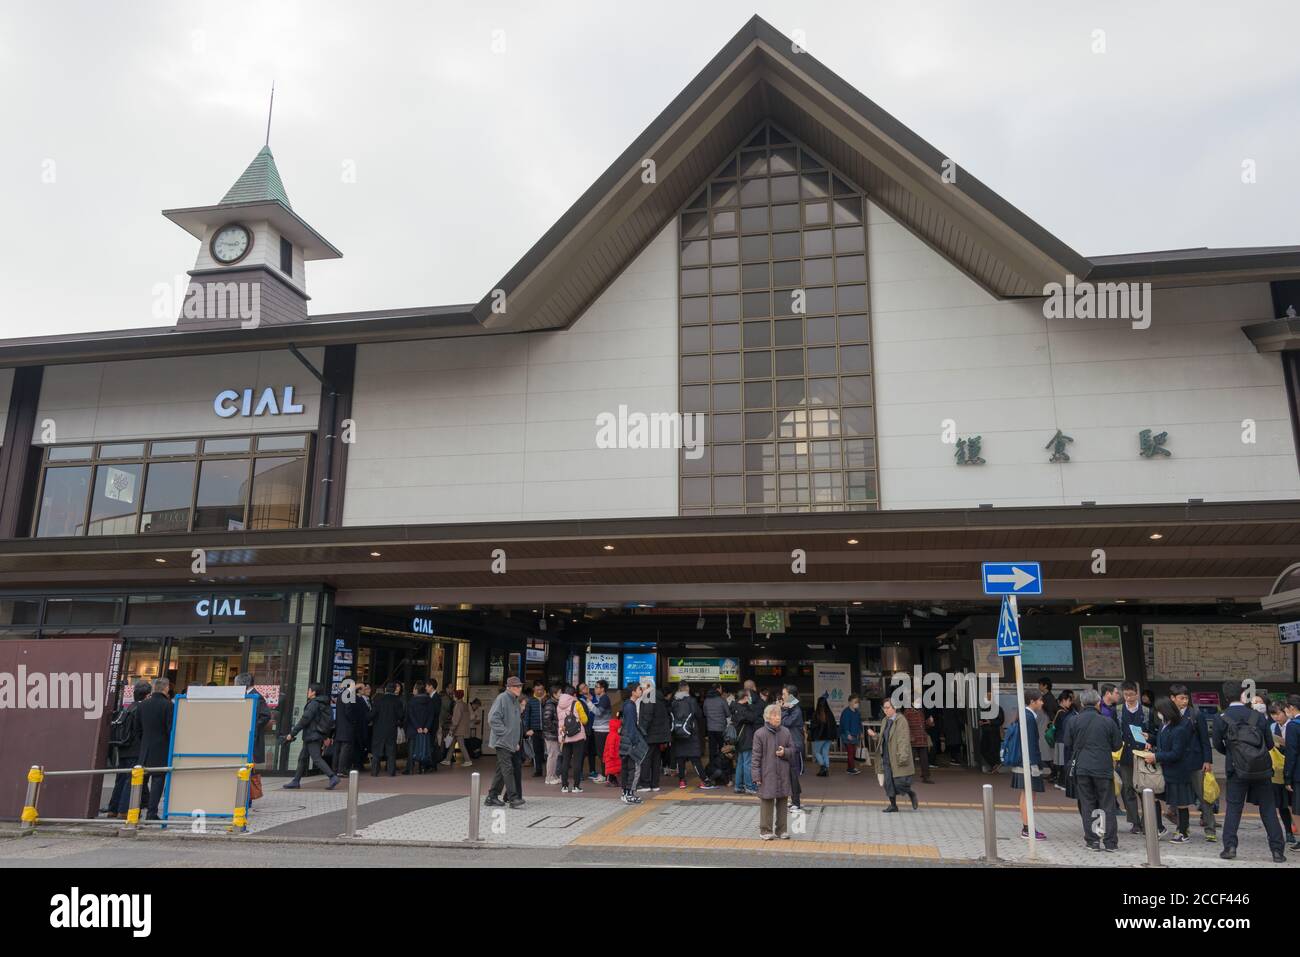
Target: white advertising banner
{"points": [[602, 667], [836, 682]]}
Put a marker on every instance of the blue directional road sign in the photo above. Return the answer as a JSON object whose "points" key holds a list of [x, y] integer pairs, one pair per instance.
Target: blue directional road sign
{"points": [[1008, 632], [1012, 578]]}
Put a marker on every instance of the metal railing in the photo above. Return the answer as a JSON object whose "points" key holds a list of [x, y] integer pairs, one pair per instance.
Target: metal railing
{"points": [[37, 775]]}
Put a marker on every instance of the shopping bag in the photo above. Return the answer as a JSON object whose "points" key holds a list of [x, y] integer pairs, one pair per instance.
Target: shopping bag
{"points": [[1210, 788], [1147, 776], [255, 786]]}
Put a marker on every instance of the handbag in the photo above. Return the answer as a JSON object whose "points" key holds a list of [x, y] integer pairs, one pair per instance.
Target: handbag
{"points": [[255, 786], [1147, 776], [401, 736]]}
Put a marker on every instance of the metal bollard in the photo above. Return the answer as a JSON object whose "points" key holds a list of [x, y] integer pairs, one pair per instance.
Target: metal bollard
{"points": [[133, 804], [239, 823], [354, 786], [1151, 827], [34, 778], [990, 826], [475, 796]]}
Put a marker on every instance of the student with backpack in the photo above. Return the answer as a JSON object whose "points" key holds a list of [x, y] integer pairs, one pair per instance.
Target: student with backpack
{"points": [[688, 727], [1013, 757], [316, 726], [125, 737], [572, 739], [1134, 718], [1241, 734]]}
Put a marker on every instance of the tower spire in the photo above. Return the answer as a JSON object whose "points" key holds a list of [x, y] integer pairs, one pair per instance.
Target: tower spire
{"points": [[269, 108]]}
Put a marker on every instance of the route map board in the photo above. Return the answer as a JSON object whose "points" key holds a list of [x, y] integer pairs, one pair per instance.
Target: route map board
{"points": [[1103, 652], [1214, 652]]}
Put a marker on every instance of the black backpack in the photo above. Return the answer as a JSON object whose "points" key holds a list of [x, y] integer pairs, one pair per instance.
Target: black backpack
{"points": [[684, 725], [572, 726], [123, 732], [1247, 749], [323, 722]]}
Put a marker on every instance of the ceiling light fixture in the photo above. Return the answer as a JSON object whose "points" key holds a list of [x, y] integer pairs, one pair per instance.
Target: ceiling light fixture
{"points": [[1155, 536], [609, 548], [374, 554], [853, 541], [161, 561]]}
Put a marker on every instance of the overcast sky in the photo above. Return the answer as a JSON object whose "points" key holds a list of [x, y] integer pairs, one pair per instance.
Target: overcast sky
{"points": [[464, 156]]}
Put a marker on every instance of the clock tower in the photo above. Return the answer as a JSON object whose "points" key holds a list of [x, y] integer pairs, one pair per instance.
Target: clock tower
{"points": [[251, 267]]}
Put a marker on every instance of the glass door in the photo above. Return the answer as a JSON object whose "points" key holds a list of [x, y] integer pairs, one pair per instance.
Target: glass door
{"points": [[205, 660]]}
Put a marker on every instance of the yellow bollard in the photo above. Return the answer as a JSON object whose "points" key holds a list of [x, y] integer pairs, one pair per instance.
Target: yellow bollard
{"points": [[137, 787], [240, 822], [34, 778]]}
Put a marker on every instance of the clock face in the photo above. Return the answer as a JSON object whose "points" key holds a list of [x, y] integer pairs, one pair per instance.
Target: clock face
{"points": [[230, 243]]}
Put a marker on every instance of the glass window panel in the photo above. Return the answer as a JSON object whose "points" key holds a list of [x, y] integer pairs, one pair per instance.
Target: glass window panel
{"points": [[858, 421], [758, 425], [785, 189], [789, 392], [726, 278], [816, 214], [168, 495], [853, 328], [855, 359], [851, 269], [823, 422], [794, 487], [753, 219], [281, 443], [695, 339], [70, 453], [695, 491], [828, 486], [726, 337], [223, 492], [726, 308], [815, 185], [826, 454], [853, 298], [727, 458], [756, 276], [821, 329], [753, 163], [758, 334], [760, 457], [775, 136], [724, 221], [758, 365], [698, 201], [226, 446], [820, 300], [173, 448], [859, 453], [724, 250], [849, 240], [695, 253], [63, 502], [784, 160], [817, 242], [861, 486], [821, 361], [809, 161], [757, 304], [695, 398], [818, 272], [789, 332], [753, 192], [122, 450], [760, 488], [699, 465], [726, 396], [787, 301], [726, 489], [848, 209], [726, 365], [793, 456], [695, 225], [785, 245], [785, 217], [758, 395], [728, 171], [753, 248], [695, 311], [840, 186], [823, 392], [792, 425], [277, 492], [787, 273], [695, 282], [695, 368], [722, 194], [726, 428], [789, 362]]}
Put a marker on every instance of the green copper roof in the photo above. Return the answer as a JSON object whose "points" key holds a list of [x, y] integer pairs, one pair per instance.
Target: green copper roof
{"points": [[259, 183]]}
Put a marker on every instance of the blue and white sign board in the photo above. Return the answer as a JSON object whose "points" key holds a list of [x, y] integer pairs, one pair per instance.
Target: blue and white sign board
{"points": [[1013, 578], [1008, 632]]}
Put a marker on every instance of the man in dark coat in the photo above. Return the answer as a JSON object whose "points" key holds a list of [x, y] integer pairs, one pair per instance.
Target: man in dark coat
{"points": [[128, 750], [745, 717], [1239, 720], [387, 715], [316, 727], [361, 721], [421, 718], [688, 727], [346, 731], [656, 727], [155, 716], [1093, 739]]}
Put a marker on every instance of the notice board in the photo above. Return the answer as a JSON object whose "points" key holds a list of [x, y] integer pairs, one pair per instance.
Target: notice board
{"points": [[211, 726], [1103, 652], [1216, 652]]}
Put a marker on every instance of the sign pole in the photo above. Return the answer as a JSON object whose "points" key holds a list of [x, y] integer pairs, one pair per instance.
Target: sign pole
{"points": [[1024, 737]]}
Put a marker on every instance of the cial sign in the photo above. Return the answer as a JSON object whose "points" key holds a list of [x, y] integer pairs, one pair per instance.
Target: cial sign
{"points": [[267, 403], [219, 607], [422, 626]]}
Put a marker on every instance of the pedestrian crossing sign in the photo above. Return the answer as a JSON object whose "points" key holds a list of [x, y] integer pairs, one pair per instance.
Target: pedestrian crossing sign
{"points": [[1008, 632]]}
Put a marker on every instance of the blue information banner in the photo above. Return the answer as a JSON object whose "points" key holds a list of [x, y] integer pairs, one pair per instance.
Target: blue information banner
{"points": [[638, 666]]}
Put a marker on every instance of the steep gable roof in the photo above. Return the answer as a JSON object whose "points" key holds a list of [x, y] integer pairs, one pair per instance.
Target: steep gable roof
{"points": [[259, 183]]}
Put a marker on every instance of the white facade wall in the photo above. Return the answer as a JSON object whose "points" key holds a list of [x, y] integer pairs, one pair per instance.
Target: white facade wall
{"points": [[945, 349], [501, 428], [172, 397]]}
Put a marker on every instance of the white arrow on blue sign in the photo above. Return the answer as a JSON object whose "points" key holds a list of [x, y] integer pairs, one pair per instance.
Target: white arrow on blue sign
{"points": [[1008, 632], [1012, 578]]}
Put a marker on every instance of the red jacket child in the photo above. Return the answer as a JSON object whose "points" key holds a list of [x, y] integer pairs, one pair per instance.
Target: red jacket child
{"points": [[613, 763]]}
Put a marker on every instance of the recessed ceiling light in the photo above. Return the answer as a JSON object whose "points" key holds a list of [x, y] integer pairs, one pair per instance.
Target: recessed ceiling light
{"points": [[857, 603], [853, 541], [1155, 536], [161, 561], [1121, 601], [374, 554], [609, 548]]}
